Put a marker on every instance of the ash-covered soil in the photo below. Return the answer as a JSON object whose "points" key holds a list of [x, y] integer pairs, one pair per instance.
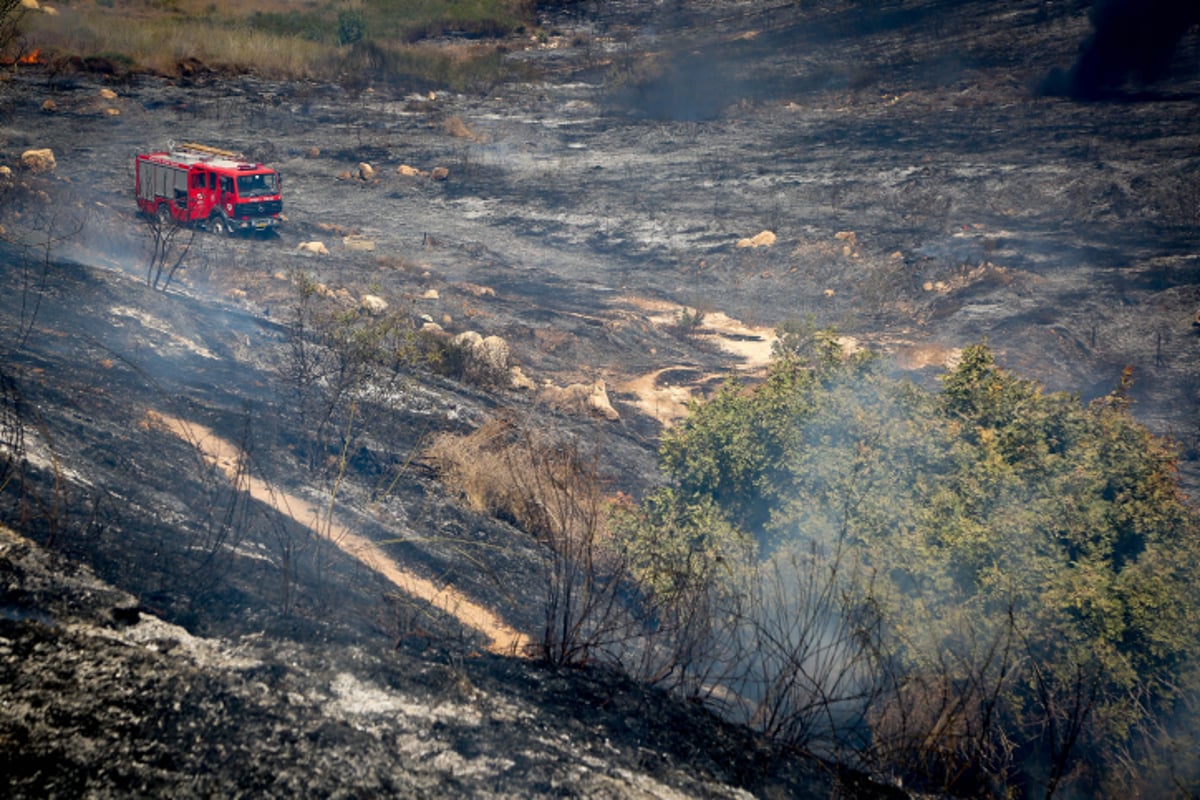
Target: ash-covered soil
{"points": [[921, 197]]}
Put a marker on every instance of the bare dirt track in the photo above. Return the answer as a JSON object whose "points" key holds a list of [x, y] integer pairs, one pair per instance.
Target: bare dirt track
{"points": [[920, 194]]}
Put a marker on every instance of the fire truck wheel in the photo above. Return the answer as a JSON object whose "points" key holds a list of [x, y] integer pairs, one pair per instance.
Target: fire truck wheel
{"points": [[220, 225]]}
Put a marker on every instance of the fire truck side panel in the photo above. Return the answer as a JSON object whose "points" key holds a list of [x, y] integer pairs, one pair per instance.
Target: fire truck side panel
{"points": [[205, 185]]}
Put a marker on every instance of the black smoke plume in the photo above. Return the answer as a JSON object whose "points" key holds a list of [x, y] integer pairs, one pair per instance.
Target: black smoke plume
{"points": [[1132, 40]]}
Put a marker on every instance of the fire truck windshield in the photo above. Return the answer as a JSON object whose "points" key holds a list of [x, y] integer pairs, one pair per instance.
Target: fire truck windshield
{"points": [[257, 185]]}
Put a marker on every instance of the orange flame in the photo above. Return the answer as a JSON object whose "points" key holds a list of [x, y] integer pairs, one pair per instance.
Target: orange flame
{"points": [[32, 57]]}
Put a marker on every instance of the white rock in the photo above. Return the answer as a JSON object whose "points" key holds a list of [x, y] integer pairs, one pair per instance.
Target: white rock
{"points": [[315, 248], [373, 304], [40, 160]]}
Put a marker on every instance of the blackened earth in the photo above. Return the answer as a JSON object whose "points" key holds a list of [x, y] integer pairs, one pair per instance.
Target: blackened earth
{"points": [[923, 197]]}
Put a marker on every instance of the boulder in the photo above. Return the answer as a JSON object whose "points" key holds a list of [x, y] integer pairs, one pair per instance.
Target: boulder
{"points": [[408, 172], [365, 172], [494, 354], [579, 399], [314, 248], [489, 359], [39, 160], [373, 304], [762, 239]]}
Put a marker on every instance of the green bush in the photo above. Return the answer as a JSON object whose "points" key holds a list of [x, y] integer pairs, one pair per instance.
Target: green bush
{"points": [[1032, 561], [351, 27]]}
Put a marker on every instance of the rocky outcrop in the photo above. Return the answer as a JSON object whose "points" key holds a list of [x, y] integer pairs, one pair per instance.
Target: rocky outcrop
{"points": [[580, 399], [487, 360]]}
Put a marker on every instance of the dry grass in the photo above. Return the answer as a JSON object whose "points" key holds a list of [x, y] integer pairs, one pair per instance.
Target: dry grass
{"points": [[279, 39], [159, 43], [520, 476]]}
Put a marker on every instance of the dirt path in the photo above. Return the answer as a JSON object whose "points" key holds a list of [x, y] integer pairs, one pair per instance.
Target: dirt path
{"points": [[504, 639]]}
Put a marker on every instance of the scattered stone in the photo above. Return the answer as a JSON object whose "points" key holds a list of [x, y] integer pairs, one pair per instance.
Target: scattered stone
{"points": [[365, 172], [335, 229], [829, 292], [373, 304], [113, 112], [439, 173], [313, 152], [358, 243], [409, 172], [477, 290], [847, 236], [763, 239], [108, 94], [49, 106], [458, 129], [430, 294], [32, 5], [37, 161], [315, 248]]}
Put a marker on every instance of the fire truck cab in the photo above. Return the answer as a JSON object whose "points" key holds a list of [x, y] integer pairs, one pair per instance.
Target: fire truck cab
{"points": [[215, 189]]}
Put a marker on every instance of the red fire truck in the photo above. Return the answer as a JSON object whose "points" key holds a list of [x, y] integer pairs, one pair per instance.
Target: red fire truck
{"points": [[215, 189]]}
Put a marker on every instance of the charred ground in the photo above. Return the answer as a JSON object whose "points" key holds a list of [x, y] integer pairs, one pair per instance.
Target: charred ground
{"points": [[924, 197]]}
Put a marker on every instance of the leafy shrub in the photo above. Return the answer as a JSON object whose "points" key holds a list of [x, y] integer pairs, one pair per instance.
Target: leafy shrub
{"points": [[1031, 561]]}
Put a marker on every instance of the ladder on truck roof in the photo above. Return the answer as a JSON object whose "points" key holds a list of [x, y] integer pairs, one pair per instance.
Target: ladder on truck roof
{"points": [[202, 152]]}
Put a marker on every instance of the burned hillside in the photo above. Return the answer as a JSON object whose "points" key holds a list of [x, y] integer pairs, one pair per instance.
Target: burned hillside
{"points": [[624, 226]]}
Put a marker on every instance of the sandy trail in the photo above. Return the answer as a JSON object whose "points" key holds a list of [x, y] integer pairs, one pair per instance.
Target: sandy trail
{"points": [[505, 640]]}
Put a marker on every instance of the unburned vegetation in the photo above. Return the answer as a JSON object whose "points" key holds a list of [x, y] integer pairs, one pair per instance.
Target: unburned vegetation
{"points": [[395, 42], [985, 589]]}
